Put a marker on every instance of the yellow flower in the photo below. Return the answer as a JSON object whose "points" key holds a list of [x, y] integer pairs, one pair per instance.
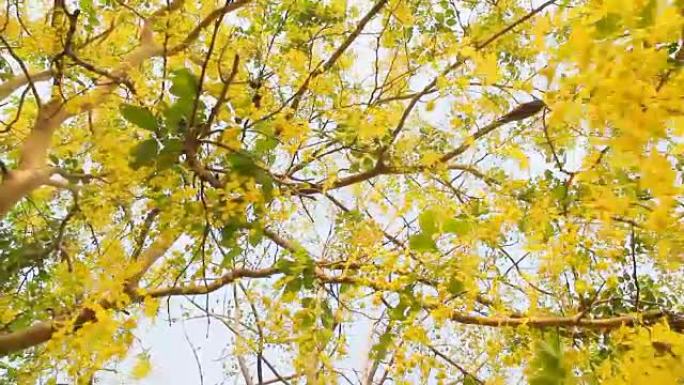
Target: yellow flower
{"points": [[142, 367]]}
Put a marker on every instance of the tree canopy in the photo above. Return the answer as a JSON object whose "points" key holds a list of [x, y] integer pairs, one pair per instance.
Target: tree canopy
{"points": [[493, 187]]}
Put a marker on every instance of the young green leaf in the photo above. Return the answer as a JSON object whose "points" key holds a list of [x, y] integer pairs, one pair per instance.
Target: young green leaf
{"points": [[144, 153], [184, 84], [140, 116]]}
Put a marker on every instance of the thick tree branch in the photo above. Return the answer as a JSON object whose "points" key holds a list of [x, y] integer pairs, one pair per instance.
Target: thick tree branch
{"points": [[224, 280], [578, 321], [607, 323], [32, 172], [13, 84], [23, 339], [148, 258], [24, 70], [172, 6], [42, 331]]}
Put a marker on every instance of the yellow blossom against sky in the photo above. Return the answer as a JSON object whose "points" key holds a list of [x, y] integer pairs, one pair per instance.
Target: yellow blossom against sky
{"points": [[441, 191]]}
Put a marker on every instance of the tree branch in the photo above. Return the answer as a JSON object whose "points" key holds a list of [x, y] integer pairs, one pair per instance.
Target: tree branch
{"points": [[321, 69], [42, 331], [215, 14], [32, 167], [12, 84], [25, 70], [521, 112], [570, 322]]}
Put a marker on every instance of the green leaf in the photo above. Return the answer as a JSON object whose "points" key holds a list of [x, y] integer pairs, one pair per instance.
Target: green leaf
{"points": [[144, 153], [308, 278], [367, 163], [184, 84], [302, 266], [88, 9], [548, 363], [398, 312], [427, 222], [169, 154], [459, 226], [608, 25], [406, 302], [176, 113], [327, 317], [286, 266], [379, 350], [293, 287], [229, 257], [560, 192], [264, 179], [265, 144], [477, 208], [255, 236], [455, 286], [305, 318], [308, 302], [648, 14], [229, 231], [140, 116], [344, 287], [422, 242], [243, 164]]}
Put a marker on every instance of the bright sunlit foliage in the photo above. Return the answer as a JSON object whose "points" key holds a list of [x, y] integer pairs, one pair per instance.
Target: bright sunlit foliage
{"points": [[487, 191]]}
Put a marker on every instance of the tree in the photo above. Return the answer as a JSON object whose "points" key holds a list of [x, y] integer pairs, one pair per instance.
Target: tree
{"points": [[494, 186]]}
